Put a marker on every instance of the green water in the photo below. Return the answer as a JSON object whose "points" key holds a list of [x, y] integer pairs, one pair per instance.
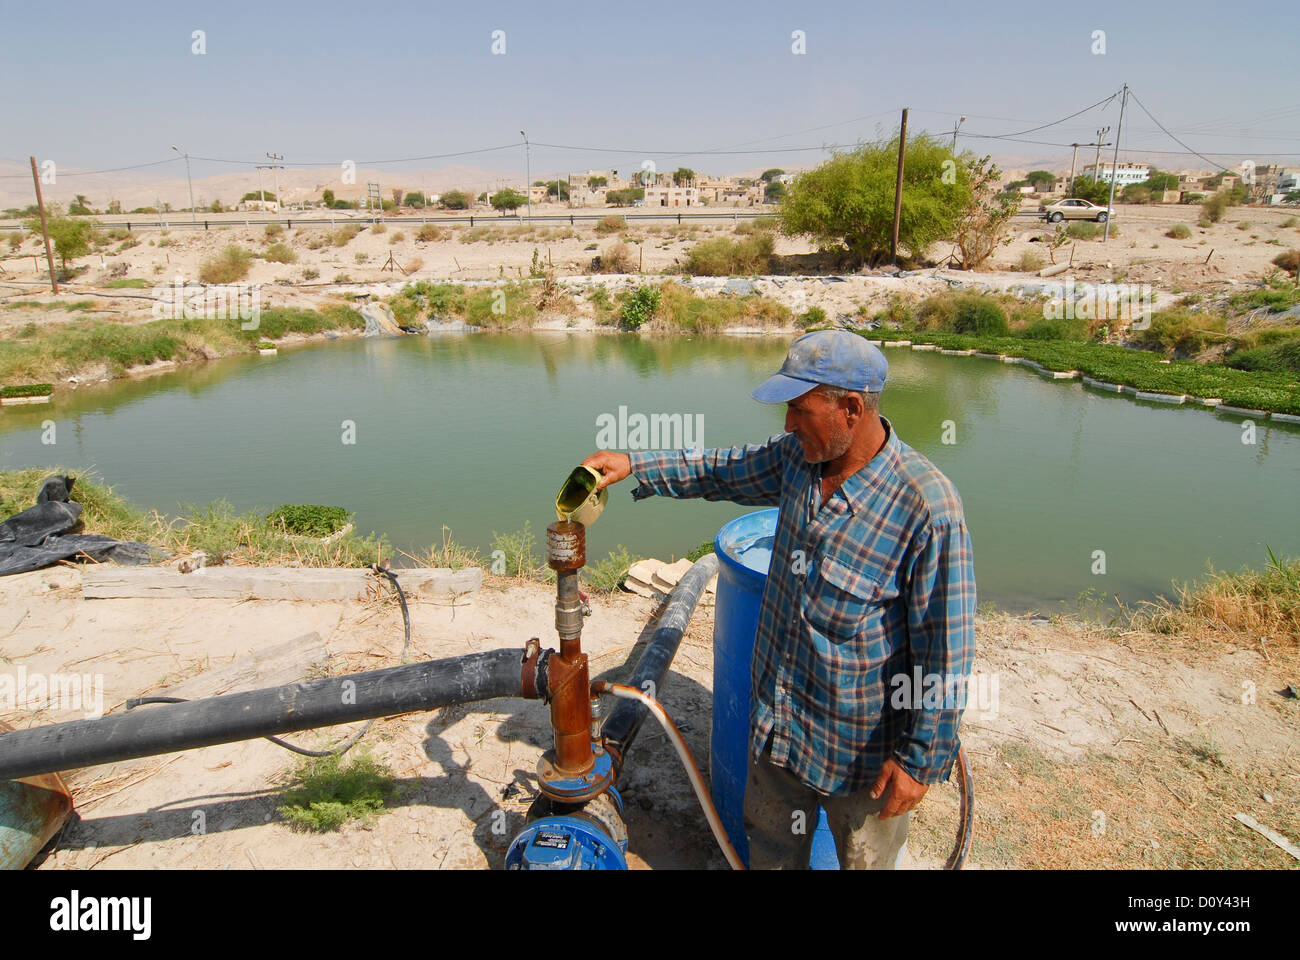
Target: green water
{"points": [[478, 433]]}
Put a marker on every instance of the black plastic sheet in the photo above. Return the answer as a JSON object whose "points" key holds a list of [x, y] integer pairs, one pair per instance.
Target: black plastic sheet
{"points": [[41, 535]]}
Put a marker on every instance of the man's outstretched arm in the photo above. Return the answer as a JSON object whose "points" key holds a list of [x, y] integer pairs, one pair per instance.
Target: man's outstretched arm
{"points": [[750, 474]]}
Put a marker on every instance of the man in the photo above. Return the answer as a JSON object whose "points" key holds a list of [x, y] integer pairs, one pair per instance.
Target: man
{"points": [[871, 588]]}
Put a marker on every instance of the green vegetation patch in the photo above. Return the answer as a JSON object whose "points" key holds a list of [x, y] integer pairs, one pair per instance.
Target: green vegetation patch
{"points": [[308, 519], [326, 792]]}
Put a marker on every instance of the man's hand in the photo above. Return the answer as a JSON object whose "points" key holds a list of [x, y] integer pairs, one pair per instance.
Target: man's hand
{"points": [[612, 466], [905, 794]]}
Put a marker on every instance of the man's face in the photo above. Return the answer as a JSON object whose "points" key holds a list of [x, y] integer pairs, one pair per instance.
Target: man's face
{"points": [[820, 424]]}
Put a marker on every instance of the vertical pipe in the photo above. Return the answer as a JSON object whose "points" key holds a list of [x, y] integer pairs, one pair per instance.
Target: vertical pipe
{"points": [[898, 189], [45, 230]]}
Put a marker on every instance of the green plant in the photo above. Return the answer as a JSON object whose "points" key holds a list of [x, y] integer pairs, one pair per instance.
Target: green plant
{"points": [[723, 257], [1179, 231], [1081, 230], [984, 215], [610, 224], [279, 253], [428, 232], [230, 265], [815, 317], [978, 315], [1031, 261], [640, 307], [310, 273], [519, 552], [265, 345], [1288, 260], [72, 236], [27, 390], [507, 200], [128, 283], [1213, 207], [1178, 330], [308, 519], [848, 202], [323, 793], [344, 234], [608, 574], [273, 230]]}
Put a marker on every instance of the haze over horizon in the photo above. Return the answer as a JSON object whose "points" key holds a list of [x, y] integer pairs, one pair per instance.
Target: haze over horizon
{"points": [[403, 87]]}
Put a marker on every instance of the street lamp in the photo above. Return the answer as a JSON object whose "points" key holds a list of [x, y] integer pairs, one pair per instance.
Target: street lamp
{"points": [[193, 215], [528, 189], [955, 128]]}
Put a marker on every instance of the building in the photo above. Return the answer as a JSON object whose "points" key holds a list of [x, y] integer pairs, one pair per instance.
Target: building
{"points": [[1127, 173], [665, 196]]}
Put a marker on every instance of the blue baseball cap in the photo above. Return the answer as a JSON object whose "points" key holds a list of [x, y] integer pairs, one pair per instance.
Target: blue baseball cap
{"points": [[836, 358]]}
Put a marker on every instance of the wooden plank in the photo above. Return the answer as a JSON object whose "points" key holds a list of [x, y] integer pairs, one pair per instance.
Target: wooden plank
{"points": [[108, 581], [273, 666]]}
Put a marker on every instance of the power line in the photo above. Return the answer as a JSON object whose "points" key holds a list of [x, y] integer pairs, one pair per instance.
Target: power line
{"points": [[90, 173], [1171, 136]]}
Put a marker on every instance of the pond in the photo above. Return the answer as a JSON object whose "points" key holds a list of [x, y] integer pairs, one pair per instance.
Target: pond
{"points": [[478, 432]]}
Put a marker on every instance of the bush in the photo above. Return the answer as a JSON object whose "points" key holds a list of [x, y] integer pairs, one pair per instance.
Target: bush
{"points": [[815, 317], [230, 265], [280, 253], [610, 224], [1031, 261], [1179, 231], [1181, 331], [981, 316], [723, 257], [344, 234], [1281, 357], [308, 519], [428, 232], [1082, 230], [27, 390], [397, 237], [640, 307], [311, 273], [1213, 207], [1288, 260], [616, 258], [1062, 329], [273, 230]]}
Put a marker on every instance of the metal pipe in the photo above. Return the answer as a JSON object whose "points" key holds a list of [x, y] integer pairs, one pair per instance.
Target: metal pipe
{"points": [[257, 713], [652, 669]]}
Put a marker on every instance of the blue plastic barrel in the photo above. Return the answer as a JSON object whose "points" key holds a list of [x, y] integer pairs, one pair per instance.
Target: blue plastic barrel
{"points": [[744, 549]]}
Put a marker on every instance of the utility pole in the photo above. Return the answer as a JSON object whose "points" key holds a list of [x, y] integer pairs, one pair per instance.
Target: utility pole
{"points": [[528, 189], [275, 167], [1096, 163], [898, 189], [193, 216], [1114, 163], [45, 230], [955, 127], [261, 186]]}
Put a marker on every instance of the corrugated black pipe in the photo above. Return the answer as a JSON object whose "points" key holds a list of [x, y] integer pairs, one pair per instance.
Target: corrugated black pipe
{"points": [[246, 716], [624, 722]]}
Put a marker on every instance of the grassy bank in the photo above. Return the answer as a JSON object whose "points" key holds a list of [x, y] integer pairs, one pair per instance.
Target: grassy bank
{"points": [[1159, 360], [36, 352]]}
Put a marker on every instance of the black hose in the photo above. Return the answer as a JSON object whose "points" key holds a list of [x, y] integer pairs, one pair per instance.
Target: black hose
{"points": [[258, 713], [651, 672], [351, 741]]}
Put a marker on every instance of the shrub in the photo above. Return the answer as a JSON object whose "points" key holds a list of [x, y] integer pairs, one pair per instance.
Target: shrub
{"points": [[273, 230], [1213, 207], [1290, 222], [311, 273], [1179, 330], [1051, 329], [1288, 260], [1179, 231], [307, 519], [280, 253], [815, 317], [610, 224], [723, 257], [1283, 357], [616, 258], [230, 265], [982, 316], [341, 236], [1243, 225], [397, 237], [379, 228], [27, 390], [428, 232], [1031, 261], [1082, 230], [640, 307]]}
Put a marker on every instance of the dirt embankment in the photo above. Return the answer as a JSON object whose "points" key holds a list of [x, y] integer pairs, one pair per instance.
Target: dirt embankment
{"points": [[1088, 750]]}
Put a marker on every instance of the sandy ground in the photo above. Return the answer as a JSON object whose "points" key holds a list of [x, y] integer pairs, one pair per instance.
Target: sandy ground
{"points": [[1141, 253], [1064, 697]]}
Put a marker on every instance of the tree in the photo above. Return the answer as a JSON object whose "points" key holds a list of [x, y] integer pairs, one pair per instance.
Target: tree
{"points": [[258, 195], [415, 200], [774, 191], [683, 176], [1092, 190], [1136, 193], [1158, 181], [1042, 180], [624, 198], [71, 237], [508, 200], [770, 175], [455, 200], [558, 189], [986, 213], [594, 182], [328, 198], [79, 207], [216, 207], [848, 202], [482, 197]]}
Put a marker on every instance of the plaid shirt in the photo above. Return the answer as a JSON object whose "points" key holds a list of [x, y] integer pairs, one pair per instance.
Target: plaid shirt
{"points": [[866, 595]]}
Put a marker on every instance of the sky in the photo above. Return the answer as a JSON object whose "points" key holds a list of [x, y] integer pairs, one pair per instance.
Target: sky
{"points": [[601, 85]]}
